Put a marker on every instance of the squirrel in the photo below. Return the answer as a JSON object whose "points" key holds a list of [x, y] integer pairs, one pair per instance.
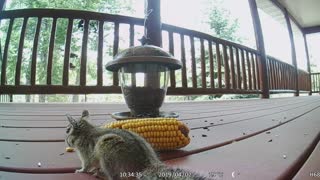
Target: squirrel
{"points": [[116, 154]]}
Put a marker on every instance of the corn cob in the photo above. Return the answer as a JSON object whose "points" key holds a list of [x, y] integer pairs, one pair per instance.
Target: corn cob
{"points": [[161, 133]]}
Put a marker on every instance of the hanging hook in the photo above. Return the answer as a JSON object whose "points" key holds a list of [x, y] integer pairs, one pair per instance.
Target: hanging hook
{"points": [[145, 39]]}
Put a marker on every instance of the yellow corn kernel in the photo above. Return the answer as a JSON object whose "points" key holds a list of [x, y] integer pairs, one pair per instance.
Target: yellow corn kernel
{"points": [[69, 149]]}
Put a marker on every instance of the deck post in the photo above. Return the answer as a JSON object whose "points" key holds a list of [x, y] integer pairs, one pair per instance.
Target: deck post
{"points": [[308, 62], [293, 52], [260, 47]]}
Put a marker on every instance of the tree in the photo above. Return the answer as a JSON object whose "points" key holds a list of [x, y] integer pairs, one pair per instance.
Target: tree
{"points": [[221, 24]]}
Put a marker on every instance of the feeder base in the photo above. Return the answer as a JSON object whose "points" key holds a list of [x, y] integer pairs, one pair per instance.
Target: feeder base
{"points": [[127, 115]]}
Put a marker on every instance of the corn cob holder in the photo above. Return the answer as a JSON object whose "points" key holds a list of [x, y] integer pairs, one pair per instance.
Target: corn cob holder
{"points": [[161, 133]]}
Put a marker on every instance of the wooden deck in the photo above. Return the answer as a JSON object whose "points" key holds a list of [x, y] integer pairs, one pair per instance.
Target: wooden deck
{"points": [[249, 139]]}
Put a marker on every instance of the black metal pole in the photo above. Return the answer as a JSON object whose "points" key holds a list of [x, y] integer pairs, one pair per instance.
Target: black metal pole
{"points": [[153, 22]]}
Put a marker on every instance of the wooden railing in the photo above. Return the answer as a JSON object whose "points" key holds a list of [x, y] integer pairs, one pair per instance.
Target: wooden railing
{"points": [[282, 77], [315, 79], [210, 65], [223, 67]]}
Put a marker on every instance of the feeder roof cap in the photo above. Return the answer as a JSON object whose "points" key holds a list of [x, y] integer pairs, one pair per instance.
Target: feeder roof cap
{"points": [[143, 54]]}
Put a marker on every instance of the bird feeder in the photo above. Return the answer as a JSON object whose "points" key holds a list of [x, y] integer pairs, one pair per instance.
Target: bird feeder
{"points": [[144, 72]]}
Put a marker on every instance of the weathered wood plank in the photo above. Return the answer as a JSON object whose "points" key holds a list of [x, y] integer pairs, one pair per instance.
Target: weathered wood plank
{"points": [[84, 49], [218, 54], [203, 65], [275, 148], [232, 64], [20, 51], [50, 53], [238, 69], [212, 85], [66, 62], [253, 63], [183, 60], [244, 71], [226, 67], [100, 55], [115, 51], [249, 70], [5, 54], [34, 53], [193, 63], [171, 50]]}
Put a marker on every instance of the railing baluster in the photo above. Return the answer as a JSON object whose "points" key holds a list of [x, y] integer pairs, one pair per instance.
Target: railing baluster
{"points": [[50, 53], [244, 74], [254, 71], [270, 73], [131, 43], [5, 54], [233, 76], [218, 54], [83, 66], [226, 67], [314, 83], [249, 70], [275, 74], [193, 63], [183, 59], [66, 65], [171, 50], [258, 71], [203, 65], [34, 52], [211, 65], [283, 78], [100, 55], [238, 68], [20, 51], [115, 51]]}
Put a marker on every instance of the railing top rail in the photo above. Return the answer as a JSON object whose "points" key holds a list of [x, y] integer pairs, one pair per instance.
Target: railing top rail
{"points": [[67, 13], [90, 15], [206, 36], [279, 61]]}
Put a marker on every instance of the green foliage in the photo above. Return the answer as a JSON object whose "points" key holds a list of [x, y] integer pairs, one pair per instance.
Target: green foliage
{"points": [[221, 23]]}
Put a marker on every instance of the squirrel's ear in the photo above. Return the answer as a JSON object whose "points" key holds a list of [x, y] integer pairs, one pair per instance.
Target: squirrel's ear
{"points": [[85, 113], [71, 120]]}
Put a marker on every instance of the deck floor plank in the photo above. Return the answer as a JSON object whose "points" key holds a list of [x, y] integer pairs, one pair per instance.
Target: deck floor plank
{"points": [[258, 157], [214, 126], [312, 165], [26, 176]]}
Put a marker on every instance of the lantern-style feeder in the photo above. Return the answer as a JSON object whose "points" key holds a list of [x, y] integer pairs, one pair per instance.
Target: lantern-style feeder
{"points": [[144, 74]]}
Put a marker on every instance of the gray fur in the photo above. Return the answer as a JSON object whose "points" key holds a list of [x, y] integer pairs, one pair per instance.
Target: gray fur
{"points": [[114, 152]]}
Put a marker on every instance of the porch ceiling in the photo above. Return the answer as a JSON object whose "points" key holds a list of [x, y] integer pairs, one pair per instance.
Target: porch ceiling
{"points": [[306, 12]]}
